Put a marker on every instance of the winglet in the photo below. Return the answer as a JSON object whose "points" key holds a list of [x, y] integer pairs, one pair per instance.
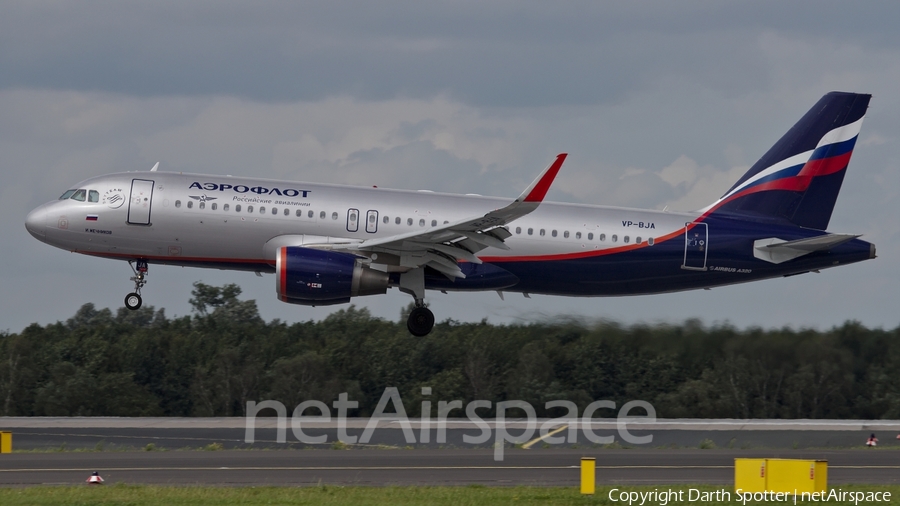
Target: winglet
{"points": [[539, 187]]}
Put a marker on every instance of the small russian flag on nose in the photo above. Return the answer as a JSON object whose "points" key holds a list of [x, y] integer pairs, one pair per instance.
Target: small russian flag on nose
{"points": [[91, 217]]}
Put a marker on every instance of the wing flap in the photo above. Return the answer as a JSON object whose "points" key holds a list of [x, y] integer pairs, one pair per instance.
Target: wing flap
{"points": [[464, 238]]}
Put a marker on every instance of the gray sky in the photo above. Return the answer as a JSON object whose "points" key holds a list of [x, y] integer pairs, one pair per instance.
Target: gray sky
{"points": [[659, 104]]}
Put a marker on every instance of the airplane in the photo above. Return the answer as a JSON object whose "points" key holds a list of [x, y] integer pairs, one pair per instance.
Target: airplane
{"points": [[328, 243]]}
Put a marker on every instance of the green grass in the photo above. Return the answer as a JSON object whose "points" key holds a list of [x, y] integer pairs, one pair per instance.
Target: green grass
{"points": [[333, 495]]}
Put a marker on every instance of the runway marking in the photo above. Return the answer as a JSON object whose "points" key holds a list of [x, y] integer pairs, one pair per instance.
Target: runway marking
{"points": [[528, 445], [380, 468], [349, 468], [864, 467], [174, 438], [287, 468], [136, 437]]}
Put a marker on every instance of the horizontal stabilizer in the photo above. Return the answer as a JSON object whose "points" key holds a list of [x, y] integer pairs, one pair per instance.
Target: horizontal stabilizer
{"points": [[778, 250]]}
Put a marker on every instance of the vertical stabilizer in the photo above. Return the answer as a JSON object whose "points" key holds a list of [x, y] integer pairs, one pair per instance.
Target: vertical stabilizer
{"points": [[799, 178]]}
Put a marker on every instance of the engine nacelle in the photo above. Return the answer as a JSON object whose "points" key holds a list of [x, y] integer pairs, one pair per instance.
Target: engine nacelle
{"points": [[313, 277]]}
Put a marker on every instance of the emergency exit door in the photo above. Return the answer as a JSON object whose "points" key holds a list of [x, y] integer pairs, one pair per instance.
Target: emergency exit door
{"points": [[352, 220], [139, 204]]}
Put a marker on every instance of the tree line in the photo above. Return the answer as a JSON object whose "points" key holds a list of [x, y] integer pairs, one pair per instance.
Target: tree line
{"points": [[142, 363]]}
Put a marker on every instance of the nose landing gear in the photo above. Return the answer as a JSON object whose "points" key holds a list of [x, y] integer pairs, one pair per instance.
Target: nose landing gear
{"points": [[133, 300]]}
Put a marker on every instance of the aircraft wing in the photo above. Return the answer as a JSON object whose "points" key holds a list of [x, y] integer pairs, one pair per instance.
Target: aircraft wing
{"points": [[443, 246]]}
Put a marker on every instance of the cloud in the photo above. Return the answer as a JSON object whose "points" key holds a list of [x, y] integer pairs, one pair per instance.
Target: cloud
{"points": [[697, 186]]}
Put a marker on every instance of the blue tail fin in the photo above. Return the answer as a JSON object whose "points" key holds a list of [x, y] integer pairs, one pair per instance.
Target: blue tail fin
{"points": [[799, 178]]}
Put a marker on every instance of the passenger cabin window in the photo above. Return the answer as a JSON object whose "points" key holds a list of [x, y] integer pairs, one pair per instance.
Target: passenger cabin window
{"points": [[262, 209], [553, 233], [249, 209], [577, 235], [287, 212], [385, 220], [397, 220], [590, 236], [433, 223], [542, 232], [530, 231], [299, 213], [602, 237], [93, 196], [518, 230], [79, 195], [237, 208], [190, 204], [214, 206], [310, 214], [650, 241], [177, 204], [626, 239], [615, 238], [322, 215], [202, 205], [409, 221], [334, 216], [225, 207], [421, 222], [637, 240], [67, 195]]}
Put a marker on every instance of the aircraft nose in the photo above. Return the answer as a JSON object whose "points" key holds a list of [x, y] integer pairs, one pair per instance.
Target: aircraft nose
{"points": [[36, 222]]}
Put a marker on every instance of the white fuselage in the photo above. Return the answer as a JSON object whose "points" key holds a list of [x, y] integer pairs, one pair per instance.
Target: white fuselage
{"points": [[188, 219]]}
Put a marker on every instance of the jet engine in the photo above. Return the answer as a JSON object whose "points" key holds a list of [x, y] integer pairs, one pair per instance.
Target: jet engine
{"points": [[313, 277]]}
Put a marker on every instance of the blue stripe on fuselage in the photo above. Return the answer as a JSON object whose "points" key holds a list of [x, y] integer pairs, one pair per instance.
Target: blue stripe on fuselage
{"points": [[658, 268]]}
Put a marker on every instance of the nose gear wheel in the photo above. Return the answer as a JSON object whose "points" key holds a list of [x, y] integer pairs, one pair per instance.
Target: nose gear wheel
{"points": [[133, 300]]}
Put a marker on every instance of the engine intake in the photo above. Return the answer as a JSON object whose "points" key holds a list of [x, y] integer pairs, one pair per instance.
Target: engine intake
{"points": [[313, 277]]}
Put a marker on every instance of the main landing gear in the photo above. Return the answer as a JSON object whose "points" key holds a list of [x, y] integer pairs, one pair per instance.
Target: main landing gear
{"points": [[133, 300], [421, 319]]}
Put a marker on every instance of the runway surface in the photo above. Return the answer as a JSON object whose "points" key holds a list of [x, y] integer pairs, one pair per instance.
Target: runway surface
{"points": [[113, 446], [542, 467], [109, 433]]}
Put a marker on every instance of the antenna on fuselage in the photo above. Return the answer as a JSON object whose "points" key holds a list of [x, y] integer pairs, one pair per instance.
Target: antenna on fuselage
{"points": [[155, 167]]}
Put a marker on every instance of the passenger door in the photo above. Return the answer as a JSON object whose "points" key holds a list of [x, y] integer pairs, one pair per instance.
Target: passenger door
{"points": [[139, 204]]}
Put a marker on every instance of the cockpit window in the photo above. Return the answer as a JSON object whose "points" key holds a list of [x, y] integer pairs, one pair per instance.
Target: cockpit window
{"points": [[79, 195], [93, 196], [66, 195]]}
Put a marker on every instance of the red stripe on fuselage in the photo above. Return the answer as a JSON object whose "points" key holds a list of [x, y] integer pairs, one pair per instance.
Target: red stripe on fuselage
{"points": [[586, 254]]}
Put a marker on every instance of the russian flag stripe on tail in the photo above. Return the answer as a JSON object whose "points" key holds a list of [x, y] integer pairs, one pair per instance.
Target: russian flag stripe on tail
{"points": [[799, 178]]}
